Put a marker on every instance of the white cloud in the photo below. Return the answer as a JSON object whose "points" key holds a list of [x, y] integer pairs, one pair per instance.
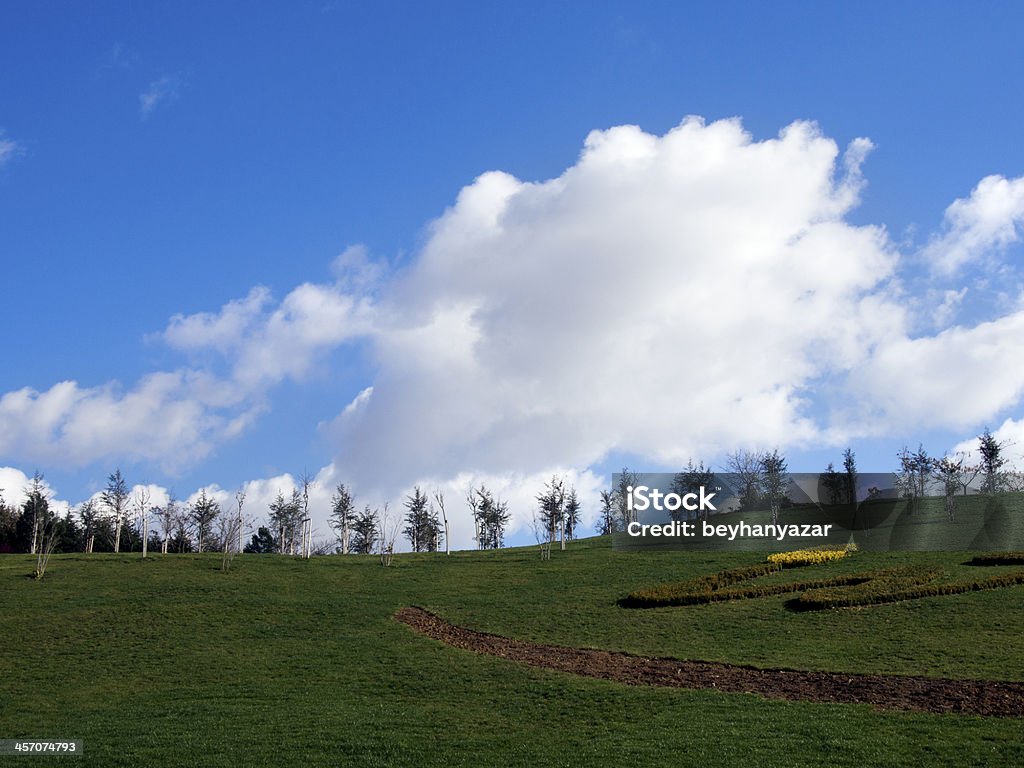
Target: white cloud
{"points": [[159, 92], [954, 380], [990, 219], [222, 331], [266, 345], [1010, 434], [9, 149], [946, 310], [169, 418], [665, 296]]}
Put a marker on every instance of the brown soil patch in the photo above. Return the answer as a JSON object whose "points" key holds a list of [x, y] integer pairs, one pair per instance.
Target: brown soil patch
{"points": [[895, 692]]}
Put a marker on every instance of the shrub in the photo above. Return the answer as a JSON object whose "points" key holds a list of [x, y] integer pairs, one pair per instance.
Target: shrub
{"points": [[999, 558], [802, 557]]}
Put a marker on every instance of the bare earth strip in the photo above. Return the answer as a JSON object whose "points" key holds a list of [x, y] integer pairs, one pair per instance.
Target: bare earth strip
{"points": [[994, 698]]}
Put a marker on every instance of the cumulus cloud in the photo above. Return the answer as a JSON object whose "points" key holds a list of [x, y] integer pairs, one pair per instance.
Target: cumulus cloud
{"points": [[171, 418], [990, 218], [267, 345], [955, 379], [664, 296]]}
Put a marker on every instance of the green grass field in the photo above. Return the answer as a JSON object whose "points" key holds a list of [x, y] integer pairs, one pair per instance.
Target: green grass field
{"points": [[171, 662]]}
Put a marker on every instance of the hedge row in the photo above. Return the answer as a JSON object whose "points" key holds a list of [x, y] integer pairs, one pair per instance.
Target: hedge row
{"points": [[885, 585], [999, 558], [879, 591], [802, 557]]}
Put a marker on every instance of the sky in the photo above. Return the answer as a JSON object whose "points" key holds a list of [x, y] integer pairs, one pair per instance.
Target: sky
{"points": [[390, 244]]}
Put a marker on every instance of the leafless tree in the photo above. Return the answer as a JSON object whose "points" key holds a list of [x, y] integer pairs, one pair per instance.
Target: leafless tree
{"points": [[473, 502], [915, 472], [439, 501], [949, 471], [239, 502], [541, 534], [307, 521], [167, 515], [140, 502], [389, 529], [747, 466]]}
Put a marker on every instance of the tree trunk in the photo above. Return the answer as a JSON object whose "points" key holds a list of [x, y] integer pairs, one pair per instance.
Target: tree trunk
{"points": [[145, 536]]}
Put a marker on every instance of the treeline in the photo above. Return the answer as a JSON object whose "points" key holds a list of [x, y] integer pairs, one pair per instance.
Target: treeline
{"points": [[122, 520], [759, 480]]}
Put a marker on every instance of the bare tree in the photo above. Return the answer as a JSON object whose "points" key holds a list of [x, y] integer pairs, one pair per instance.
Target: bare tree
{"points": [[167, 515], [36, 508], [912, 479], [230, 525], [389, 529], [307, 521], [747, 466], [540, 533], [473, 502], [439, 501], [948, 472], [44, 523], [140, 501], [240, 501]]}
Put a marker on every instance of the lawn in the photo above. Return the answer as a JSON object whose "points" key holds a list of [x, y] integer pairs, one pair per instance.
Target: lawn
{"points": [[170, 661]]}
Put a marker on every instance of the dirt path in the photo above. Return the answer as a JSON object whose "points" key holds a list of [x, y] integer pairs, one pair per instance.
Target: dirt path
{"points": [[898, 692]]}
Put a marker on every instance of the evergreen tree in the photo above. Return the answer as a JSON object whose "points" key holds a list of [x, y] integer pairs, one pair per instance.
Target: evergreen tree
{"points": [[572, 514], [850, 476], [343, 513], [422, 527], [284, 520], [992, 461], [89, 515], [832, 483], [774, 482], [262, 542], [115, 499], [35, 517], [691, 480], [203, 512], [491, 516], [9, 516], [607, 521], [365, 531], [551, 506]]}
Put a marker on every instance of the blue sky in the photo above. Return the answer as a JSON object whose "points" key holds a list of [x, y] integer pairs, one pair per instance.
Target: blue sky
{"points": [[162, 160]]}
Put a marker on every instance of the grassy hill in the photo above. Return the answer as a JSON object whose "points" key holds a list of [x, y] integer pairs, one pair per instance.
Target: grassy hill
{"points": [[170, 661]]}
